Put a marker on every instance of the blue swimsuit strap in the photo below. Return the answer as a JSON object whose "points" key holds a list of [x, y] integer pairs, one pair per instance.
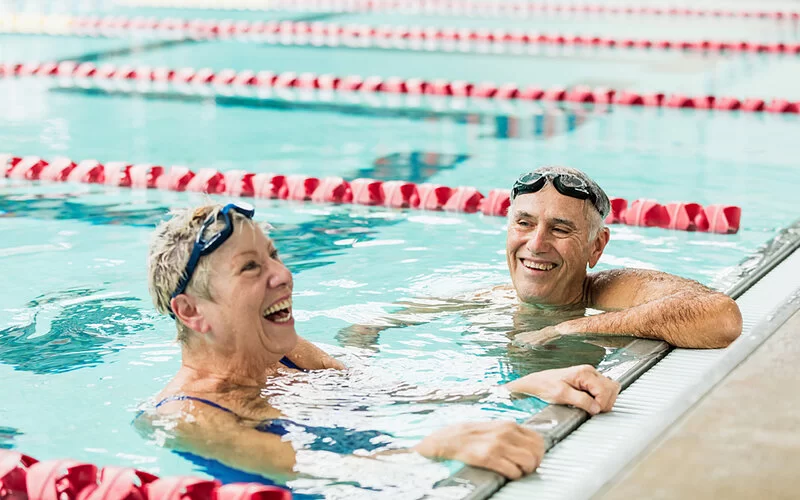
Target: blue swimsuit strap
{"points": [[284, 361], [193, 398], [290, 364]]}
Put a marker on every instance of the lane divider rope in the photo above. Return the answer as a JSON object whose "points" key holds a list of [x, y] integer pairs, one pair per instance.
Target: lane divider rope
{"points": [[22, 476], [394, 85], [723, 219], [365, 36], [468, 7]]}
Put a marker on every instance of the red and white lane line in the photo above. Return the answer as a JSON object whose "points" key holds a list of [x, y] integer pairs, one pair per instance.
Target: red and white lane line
{"points": [[497, 8], [366, 36], [395, 85], [723, 219], [22, 476]]}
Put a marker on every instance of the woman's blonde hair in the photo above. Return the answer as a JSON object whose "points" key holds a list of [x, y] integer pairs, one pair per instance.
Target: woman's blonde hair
{"points": [[169, 251]]}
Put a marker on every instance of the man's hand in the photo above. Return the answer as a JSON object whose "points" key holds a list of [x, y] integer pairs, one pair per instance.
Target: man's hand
{"points": [[538, 337], [501, 446], [580, 386]]}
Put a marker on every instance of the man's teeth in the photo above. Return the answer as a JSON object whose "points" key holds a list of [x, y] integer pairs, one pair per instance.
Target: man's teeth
{"points": [[537, 266], [284, 304]]}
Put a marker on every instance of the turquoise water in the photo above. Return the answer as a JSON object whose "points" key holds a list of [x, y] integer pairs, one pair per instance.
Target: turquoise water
{"points": [[80, 343]]}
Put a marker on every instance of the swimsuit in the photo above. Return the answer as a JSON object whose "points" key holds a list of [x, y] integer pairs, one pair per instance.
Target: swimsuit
{"points": [[335, 439]]}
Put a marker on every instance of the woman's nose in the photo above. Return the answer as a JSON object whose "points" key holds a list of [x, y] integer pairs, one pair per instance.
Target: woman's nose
{"points": [[279, 275]]}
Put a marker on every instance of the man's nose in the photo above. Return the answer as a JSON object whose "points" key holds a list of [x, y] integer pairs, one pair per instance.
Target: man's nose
{"points": [[538, 241]]}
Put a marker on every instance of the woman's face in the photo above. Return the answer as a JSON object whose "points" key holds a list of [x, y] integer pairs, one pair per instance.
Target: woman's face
{"points": [[251, 294]]}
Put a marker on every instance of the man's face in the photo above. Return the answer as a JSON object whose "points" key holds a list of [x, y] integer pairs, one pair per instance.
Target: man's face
{"points": [[548, 247]]}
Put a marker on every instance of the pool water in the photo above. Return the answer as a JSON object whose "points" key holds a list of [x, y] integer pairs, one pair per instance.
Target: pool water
{"points": [[81, 346]]}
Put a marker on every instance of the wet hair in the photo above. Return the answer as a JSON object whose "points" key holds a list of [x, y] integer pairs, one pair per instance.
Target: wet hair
{"points": [[595, 214], [169, 251]]}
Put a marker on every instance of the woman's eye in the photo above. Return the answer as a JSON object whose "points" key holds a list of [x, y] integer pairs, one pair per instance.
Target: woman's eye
{"points": [[250, 265], [274, 255]]}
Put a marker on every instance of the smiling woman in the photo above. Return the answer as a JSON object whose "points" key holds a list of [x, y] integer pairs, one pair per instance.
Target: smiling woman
{"points": [[218, 274]]}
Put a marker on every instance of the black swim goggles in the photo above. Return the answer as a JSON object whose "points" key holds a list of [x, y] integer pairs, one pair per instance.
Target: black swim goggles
{"points": [[565, 183], [204, 246]]}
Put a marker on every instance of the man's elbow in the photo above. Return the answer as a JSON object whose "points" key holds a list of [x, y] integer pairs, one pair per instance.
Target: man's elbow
{"points": [[729, 319]]}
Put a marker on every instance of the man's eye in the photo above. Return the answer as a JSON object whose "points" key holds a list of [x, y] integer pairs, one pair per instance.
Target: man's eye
{"points": [[561, 230], [523, 223]]}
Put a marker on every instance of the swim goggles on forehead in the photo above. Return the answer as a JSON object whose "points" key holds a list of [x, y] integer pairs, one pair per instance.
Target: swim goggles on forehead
{"points": [[565, 183], [203, 246]]}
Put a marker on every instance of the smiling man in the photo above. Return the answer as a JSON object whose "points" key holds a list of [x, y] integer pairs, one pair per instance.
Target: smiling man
{"points": [[556, 231]]}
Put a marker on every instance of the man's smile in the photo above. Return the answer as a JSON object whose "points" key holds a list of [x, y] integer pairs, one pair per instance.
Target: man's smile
{"points": [[537, 265]]}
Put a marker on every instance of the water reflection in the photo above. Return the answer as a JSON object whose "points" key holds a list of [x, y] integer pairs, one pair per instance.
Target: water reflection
{"points": [[68, 330], [487, 326], [7, 435]]}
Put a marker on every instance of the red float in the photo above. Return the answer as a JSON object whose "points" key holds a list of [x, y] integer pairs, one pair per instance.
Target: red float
{"points": [[723, 219], [400, 194], [497, 202], [433, 196], [301, 187], [367, 192], [117, 173], [207, 180], [333, 190], [617, 212], [463, 199], [646, 213]]}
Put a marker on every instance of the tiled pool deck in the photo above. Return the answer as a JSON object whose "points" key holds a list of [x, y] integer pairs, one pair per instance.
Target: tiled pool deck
{"points": [[739, 442]]}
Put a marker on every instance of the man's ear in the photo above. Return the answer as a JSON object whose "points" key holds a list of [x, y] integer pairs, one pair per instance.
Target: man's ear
{"points": [[185, 309], [598, 245]]}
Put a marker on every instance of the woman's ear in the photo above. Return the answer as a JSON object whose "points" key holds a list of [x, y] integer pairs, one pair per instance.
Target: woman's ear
{"points": [[185, 309]]}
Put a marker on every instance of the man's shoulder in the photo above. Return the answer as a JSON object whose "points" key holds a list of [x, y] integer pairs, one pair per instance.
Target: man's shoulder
{"points": [[621, 287], [624, 273]]}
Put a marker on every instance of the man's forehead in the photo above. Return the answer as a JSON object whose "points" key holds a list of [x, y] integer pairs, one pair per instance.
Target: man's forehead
{"points": [[548, 200]]}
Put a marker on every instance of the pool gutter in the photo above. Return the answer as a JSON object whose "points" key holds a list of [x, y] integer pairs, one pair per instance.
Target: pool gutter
{"points": [[556, 422]]}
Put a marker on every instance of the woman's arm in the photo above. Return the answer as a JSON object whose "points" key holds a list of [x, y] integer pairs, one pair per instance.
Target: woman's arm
{"points": [[501, 446], [308, 356], [192, 427]]}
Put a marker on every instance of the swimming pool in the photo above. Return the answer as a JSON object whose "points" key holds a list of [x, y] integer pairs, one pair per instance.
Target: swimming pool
{"points": [[77, 329]]}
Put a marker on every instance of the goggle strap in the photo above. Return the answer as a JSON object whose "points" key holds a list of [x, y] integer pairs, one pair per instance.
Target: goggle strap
{"points": [[194, 258]]}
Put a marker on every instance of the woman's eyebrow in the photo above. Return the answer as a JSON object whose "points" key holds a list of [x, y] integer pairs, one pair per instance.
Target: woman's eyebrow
{"points": [[244, 253]]}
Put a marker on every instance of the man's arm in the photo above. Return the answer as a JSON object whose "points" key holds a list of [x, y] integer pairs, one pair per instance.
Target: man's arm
{"points": [[655, 305]]}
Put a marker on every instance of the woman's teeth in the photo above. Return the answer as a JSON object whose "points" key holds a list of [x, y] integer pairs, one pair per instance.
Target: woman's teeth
{"points": [[538, 267], [280, 312]]}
